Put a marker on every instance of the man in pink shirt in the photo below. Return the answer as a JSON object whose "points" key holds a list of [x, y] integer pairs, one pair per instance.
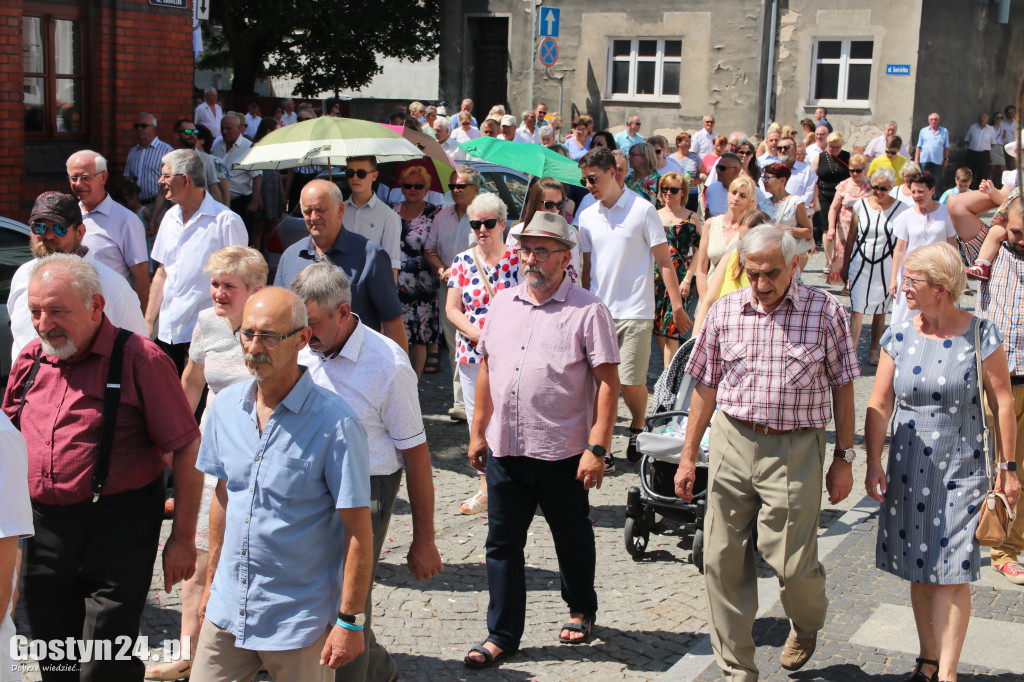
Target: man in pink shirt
{"points": [[549, 346]]}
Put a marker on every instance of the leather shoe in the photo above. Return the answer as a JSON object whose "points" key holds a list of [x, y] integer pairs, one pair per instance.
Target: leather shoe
{"points": [[797, 651]]}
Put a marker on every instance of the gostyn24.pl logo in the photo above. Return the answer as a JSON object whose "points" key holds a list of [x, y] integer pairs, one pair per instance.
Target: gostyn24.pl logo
{"points": [[84, 650]]}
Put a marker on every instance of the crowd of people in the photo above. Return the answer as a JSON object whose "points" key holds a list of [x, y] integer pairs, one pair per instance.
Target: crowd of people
{"points": [[148, 334]]}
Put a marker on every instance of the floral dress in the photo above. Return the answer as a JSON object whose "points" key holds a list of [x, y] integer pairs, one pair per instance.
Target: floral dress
{"points": [[852, 193], [683, 239], [476, 300], [417, 283], [647, 187]]}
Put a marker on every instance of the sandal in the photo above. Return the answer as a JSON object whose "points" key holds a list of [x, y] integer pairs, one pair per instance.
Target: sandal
{"points": [[489, 658], [586, 627], [169, 672], [474, 505], [918, 676], [873, 357], [433, 364]]}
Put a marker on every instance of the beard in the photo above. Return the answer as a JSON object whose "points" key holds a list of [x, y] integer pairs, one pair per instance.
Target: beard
{"points": [[786, 159], [41, 250], [63, 352], [253, 361], [536, 278]]}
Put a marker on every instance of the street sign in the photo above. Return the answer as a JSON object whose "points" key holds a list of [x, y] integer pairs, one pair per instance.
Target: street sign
{"points": [[549, 21], [176, 4], [202, 9], [548, 52], [897, 69]]}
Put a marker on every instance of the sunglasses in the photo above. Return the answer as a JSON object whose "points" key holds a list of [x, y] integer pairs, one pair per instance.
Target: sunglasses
{"points": [[412, 185], [551, 205], [489, 223], [140, 126], [40, 227], [879, 188], [784, 147], [460, 187], [722, 169], [856, 170], [892, 152], [591, 179], [671, 190], [744, 153], [189, 131], [356, 172]]}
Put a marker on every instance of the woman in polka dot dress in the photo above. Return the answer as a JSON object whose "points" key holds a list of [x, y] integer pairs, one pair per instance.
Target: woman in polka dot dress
{"points": [[478, 274], [936, 477]]}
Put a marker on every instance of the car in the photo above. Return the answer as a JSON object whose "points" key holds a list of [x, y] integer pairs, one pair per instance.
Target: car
{"points": [[511, 185], [15, 250]]}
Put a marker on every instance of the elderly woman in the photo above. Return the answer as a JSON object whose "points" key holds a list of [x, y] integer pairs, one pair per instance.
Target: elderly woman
{"points": [[602, 138], [867, 260], [901, 191], [215, 360], [721, 234], [555, 121], [464, 133], [665, 163], [832, 167], [682, 232], [643, 172], [691, 166], [936, 474], [417, 287], [477, 275], [848, 192], [578, 143]]}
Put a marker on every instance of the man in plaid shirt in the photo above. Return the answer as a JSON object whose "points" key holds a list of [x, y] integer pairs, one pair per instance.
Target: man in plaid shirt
{"points": [[776, 358]]}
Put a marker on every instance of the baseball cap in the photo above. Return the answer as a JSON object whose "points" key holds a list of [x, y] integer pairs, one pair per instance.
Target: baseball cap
{"points": [[549, 225], [57, 207], [508, 120]]}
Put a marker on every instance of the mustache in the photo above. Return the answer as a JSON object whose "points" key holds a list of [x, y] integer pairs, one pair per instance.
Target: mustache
{"points": [[257, 358]]}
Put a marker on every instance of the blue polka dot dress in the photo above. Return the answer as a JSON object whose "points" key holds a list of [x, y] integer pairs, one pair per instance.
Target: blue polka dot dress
{"points": [[936, 476]]}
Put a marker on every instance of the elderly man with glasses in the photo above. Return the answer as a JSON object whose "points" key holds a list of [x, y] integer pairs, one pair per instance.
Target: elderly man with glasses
{"points": [[631, 135], [932, 152], [703, 139], [143, 166]]}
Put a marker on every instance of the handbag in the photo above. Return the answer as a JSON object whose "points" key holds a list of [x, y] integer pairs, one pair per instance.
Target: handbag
{"points": [[996, 516]]}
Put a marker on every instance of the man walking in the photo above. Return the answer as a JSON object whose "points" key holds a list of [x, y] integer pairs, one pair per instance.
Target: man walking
{"points": [[216, 171], [621, 238], [776, 359], [932, 152], [876, 147], [545, 409], [290, 533], [367, 215], [143, 166], [97, 491], [631, 135], [374, 377], [245, 186], [703, 139], [980, 138], [209, 113]]}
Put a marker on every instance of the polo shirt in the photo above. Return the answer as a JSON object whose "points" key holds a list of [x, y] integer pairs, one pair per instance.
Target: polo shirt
{"points": [[63, 414], [145, 164], [619, 240], [933, 145], [374, 377], [279, 580], [376, 221], [239, 181], [115, 236], [183, 250], [368, 268]]}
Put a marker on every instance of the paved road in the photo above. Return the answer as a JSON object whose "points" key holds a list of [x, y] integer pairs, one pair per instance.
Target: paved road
{"points": [[652, 611]]}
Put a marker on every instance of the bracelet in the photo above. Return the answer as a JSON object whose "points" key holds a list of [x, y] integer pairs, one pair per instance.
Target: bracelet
{"points": [[349, 626]]}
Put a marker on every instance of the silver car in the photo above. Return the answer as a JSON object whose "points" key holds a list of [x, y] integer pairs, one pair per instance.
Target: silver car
{"points": [[15, 250]]}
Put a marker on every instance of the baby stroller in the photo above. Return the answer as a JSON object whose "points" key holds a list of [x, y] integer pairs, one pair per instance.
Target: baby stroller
{"points": [[654, 504]]}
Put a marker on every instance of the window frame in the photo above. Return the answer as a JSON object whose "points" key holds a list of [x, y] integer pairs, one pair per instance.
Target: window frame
{"points": [[844, 61], [49, 15], [634, 58]]}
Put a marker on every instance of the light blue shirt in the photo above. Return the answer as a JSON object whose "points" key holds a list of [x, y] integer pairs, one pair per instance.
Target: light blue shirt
{"points": [[625, 141], [278, 583], [933, 146]]}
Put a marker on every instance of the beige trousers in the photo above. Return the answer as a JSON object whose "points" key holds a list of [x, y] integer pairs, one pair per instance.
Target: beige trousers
{"points": [[773, 482], [218, 659]]}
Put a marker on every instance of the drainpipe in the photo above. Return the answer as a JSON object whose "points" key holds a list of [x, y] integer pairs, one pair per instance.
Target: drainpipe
{"points": [[770, 72], [1003, 12], [533, 46]]}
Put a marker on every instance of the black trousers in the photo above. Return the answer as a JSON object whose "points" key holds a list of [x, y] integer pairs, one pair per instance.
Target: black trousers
{"points": [[178, 353], [240, 205], [88, 571], [979, 163]]}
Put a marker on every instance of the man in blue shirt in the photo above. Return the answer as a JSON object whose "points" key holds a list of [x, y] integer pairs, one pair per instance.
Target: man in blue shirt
{"points": [[365, 264], [290, 535], [631, 135], [932, 153]]}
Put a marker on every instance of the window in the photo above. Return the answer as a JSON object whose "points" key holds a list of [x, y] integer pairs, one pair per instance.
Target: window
{"points": [[644, 68], [841, 72], [54, 70]]}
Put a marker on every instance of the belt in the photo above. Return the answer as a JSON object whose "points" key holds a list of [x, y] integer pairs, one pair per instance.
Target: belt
{"points": [[762, 428]]}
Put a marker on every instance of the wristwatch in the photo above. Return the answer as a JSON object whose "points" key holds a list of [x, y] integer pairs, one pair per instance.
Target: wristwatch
{"points": [[598, 451], [847, 455], [358, 620], [1008, 466]]}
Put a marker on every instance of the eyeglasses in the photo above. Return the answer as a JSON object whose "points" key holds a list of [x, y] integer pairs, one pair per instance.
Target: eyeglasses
{"points": [[357, 173], [413, 185], [168, 176], [539, 255], [551, 205], [489, 223], [636, 123], [913, 281], [744, 153], [659, 150], [83, 178], [40, 227], [591, 179], [784, 147], [856, 170], [139, 126], [268, 341], [460, 186], [879, 188], [671, 190], [189, 131]]}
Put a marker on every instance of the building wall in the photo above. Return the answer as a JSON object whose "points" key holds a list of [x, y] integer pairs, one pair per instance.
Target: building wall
{"points": [[138, 58]]}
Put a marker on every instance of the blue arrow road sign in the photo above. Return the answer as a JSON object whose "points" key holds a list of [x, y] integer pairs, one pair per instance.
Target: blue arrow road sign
{"points": [[548, 52], [549, 21]]}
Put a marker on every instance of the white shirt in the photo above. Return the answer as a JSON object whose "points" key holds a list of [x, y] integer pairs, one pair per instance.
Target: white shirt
{"points": [[15, 521], [373, 375], [290, 119], [767, 159], [459, 136], [252, 124], [183, 251], [524, 135], [121, 304], [209, 118], [453, 121], [980, 139], [701, 142], [802, 182], [450, 146], [619, 240], [876, 148], [114, 236], [239, 181], [376, 221]]}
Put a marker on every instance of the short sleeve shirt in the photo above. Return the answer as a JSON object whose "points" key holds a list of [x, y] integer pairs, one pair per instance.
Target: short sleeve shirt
{"points": [[476, 299], [933, 145], [115, 236]]}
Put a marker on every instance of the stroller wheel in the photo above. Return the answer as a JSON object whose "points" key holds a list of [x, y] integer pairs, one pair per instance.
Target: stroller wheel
{"points": [[636, 535], [697, 550]]}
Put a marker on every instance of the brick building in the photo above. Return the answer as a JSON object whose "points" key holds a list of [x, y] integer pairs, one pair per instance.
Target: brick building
{"points": [[74, 74]]}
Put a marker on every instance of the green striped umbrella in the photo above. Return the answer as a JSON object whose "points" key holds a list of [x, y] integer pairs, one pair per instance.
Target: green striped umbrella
{"points": [[325, 141], [535, 159]]}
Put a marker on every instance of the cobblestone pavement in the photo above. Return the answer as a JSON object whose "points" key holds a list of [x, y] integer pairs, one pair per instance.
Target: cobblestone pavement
{"points": [[652, 611]]}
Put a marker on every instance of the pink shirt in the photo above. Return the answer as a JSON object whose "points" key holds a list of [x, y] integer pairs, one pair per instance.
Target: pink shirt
{"points": [[540, 359], [776, 369]]}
